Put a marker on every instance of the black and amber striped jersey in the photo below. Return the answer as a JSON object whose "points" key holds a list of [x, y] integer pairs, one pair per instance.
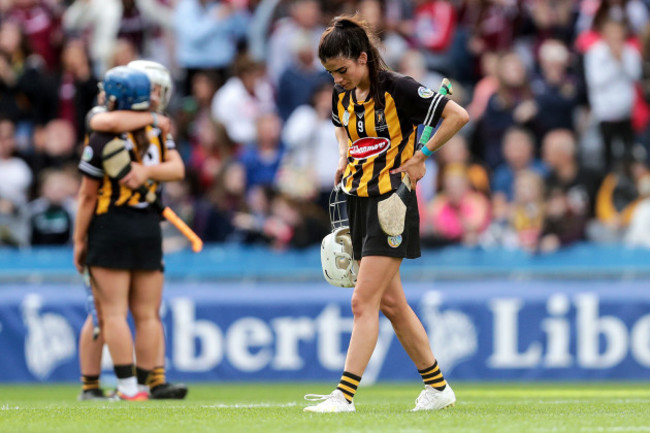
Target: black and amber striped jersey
{"points": [[111, 193], [382, 134]]}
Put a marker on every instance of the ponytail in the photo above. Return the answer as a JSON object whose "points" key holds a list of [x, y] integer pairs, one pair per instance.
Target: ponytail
{"points": [[349, 37]]}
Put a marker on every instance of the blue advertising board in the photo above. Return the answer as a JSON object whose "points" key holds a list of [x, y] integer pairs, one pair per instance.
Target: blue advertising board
{"points": [[230, 331]]}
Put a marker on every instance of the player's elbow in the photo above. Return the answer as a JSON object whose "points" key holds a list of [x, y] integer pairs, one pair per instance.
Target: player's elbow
{"points": [[462, 116], [180, 172]]}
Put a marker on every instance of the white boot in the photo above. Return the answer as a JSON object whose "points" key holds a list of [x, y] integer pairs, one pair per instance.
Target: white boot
{"points": [[334, 402], [432, 399]]}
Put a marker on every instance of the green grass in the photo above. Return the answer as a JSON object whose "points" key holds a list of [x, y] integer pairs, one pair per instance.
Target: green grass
{"points": [[486, 407]]}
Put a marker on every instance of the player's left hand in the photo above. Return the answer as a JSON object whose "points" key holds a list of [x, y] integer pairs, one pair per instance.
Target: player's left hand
{"points": [[414, 167], [136, 177]]}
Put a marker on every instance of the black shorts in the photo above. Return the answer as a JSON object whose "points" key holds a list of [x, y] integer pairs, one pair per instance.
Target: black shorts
{"points": [[125, 238], [368, 239]]}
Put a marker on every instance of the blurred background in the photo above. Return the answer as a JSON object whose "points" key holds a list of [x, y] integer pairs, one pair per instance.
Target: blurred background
{"points": [[535, 218]]}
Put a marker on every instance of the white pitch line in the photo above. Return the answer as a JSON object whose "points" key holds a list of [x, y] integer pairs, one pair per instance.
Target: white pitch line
{"points": [[144, 406], [246, 406], [567, 401]]}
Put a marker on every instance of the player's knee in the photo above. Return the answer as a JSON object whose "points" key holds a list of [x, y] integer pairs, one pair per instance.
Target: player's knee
{"points": [[391, 307], [362, 305], [144, 314]]}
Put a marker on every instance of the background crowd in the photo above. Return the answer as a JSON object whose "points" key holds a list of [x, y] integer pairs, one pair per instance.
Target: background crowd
{"points": [[558, 93]]}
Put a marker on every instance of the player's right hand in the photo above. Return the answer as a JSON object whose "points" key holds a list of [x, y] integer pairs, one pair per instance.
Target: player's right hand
{"points": [[79, 255]]}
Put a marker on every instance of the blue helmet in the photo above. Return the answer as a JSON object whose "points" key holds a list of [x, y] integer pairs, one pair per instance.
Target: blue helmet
{"points": [[127, 88]]}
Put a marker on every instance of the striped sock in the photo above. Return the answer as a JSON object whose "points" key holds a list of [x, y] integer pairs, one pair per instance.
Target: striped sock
{"points": [[89, 382], [433, 376], [156, 377], [348, 385]]}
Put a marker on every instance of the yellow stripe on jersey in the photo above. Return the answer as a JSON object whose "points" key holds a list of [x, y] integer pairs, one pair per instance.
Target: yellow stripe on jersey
{"points": [[392, 121], [104, 199], [125, 194], [371, 131], [352, 123], [369, 116]]}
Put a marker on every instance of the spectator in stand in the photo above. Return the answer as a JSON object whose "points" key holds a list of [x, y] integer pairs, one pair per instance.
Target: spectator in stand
{"points": [[593, 14], [528, 213], [484, 26], [304, 19], [123, 53], [295, 224], [250, 222], [457, 214], [108, 21], [617, 198], [562, 225], [512, 104], [549, 20], [262, 160], [310, 157], [21, 80], [519, 155], [15, 180], [207, 35], [41, 26], [213, 219], [413, 64], [456, 151], [72, 91], [580, 184], [485, 87], [392, 43], [612, 70], [299, 80], [52, 214], [434, 24], [193, 109], [55, 146], [213, 148], [556, 92], [242, 100]]}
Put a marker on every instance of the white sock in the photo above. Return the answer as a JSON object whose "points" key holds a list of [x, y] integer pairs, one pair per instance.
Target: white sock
{"points": [[128, 386]]}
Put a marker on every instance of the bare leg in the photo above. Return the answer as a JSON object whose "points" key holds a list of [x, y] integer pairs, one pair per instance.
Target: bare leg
{"points": [[145, 301], [375, 274], [407, 325], [90, 351], [111, 289]]}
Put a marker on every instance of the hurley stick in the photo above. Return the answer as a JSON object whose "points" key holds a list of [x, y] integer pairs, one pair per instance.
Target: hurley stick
{"points": [[392, 211]]}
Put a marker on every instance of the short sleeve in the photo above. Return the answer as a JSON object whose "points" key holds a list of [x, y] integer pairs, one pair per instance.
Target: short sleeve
{"points": [[91, 157], [419, 103], [335, 107]]}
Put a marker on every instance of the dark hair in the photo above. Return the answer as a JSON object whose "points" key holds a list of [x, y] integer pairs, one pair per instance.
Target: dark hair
{"points": [[348, 37]]}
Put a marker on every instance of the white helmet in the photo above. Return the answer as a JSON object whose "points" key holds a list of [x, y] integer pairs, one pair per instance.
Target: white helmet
{"points": [[158, 74], [339, 268]]}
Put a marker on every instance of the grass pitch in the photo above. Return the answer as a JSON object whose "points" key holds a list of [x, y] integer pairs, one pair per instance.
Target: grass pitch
{"points": [[268, 408]]}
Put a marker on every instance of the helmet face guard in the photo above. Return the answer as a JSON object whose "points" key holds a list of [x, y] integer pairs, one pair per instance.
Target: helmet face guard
{"points": [[336, 253], [338, 209]]}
